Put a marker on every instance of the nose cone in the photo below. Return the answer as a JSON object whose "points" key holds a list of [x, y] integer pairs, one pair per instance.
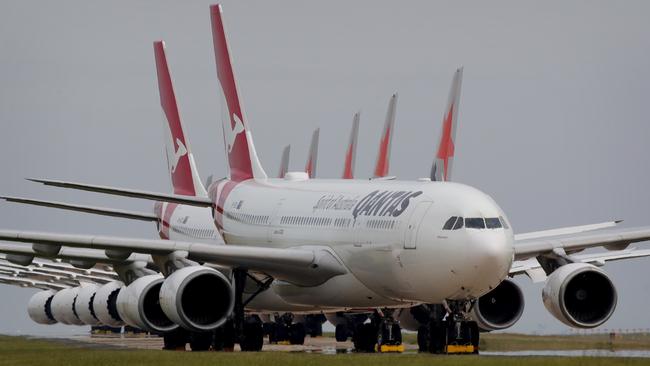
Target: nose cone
{"points": [[489, 256]]}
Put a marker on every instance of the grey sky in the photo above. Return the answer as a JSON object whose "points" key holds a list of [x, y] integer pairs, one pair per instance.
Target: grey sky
{"points": [[553, 115]]}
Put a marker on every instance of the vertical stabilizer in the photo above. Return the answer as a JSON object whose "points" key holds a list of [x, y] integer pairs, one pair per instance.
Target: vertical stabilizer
{"points": [[383, 155], [284, 163], [312, 159], [442, 164], [242, 158], [184, 175], [351, 152]]}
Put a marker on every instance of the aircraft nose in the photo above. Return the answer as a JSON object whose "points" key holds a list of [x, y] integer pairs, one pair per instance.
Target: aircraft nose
{"points": [[492, 255]]}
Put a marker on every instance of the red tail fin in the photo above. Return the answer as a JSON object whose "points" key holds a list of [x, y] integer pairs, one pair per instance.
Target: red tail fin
{"points": [[383, 156], [351, 152], [312, 159], [284, 162], [442, 164], [185, 178], [242, 158]]}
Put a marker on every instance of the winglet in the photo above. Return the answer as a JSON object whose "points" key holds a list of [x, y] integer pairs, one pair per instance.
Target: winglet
{"points": [[312, 159], [242, 158], [351, 152], [284, 163], [441, 168], [184, 175], [383, 156]]}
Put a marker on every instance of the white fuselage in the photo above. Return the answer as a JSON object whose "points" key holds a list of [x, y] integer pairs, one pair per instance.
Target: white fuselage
{"points": [[388, 234]]}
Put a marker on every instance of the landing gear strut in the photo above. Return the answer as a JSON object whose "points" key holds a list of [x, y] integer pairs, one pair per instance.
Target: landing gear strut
{"points": [[382, 334], [452, 335], [247, 330]]}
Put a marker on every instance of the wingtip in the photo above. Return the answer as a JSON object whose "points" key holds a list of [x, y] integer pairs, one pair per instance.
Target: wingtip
{"points": [[618, 221], [35, 180]]}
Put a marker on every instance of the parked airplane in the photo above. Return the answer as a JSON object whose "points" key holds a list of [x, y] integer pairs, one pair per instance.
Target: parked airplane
{"points": [[349, 244]]}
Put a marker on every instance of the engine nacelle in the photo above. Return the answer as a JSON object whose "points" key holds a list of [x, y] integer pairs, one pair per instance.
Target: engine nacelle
{"points": [[139, 305], [198, 298], [39, 307], [500, 308], [84, 304], [580, 295], [105, 304], [63, 306]]}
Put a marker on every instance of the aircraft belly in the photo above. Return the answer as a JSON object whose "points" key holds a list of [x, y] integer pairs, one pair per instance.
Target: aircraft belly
{"points": [[340, 291]]}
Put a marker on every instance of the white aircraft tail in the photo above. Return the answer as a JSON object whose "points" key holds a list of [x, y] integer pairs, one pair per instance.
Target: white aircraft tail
{"points": [[182, 168], [243, 162], [383, 155], [442, 164]]}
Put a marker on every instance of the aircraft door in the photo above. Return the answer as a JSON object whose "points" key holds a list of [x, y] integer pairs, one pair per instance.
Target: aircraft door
{"points": [[410, 239], [275, 230]]}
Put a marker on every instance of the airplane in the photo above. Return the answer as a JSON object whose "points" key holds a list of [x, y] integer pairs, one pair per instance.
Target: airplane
{"points": [[351, 244], [351, 151]]}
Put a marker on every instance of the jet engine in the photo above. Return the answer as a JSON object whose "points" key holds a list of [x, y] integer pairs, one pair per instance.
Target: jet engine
{"points": [[198, 298], [63, 306], [84, 304], [580, 295], [105, 304], [139, 306], [500, 308], [39, 307]]}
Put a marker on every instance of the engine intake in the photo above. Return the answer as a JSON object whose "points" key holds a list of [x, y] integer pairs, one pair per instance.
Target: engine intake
{"points": [[105, 304], [580, 295], [198, 298], [139, 305], [500, 308], [39, 307]]}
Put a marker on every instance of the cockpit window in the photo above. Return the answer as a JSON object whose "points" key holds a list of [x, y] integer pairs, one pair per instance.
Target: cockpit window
{"points": [[459, 224], [450, 223], [492, 222], [475, 223], [504, 223]]}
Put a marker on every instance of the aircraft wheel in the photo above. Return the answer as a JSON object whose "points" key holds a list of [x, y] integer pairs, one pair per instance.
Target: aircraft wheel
{"points": [[423, 339], [341, 333], [297, 334], [175, 340], [437, 337], [200, 341], [253, 337], [365, 338]]}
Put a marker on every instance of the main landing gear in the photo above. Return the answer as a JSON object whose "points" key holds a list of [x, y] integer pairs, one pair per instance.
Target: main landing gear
{"points": [[453, 334], [381, 334]]}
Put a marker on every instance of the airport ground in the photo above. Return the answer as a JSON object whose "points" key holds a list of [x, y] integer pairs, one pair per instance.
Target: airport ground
{"points": [[99, 351]]}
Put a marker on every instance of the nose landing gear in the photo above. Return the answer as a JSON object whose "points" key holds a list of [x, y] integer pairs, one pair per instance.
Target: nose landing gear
{"points": [[453, 334], [382, 334]]}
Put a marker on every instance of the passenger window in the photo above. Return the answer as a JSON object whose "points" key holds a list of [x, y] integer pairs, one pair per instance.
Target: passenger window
{"points": [[450, 223], [459, 223], [475, 223], [492, 222]]}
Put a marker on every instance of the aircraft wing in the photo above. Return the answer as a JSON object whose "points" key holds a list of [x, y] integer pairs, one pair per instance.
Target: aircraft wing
{"points": [[307, 266], [533, 269], [613, 239], [73, 254], [125, 192], [567, 230], [26, 282], [143, 216]]}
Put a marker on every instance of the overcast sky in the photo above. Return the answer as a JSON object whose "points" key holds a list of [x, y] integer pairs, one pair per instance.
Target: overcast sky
{"points": [[553, 115]]}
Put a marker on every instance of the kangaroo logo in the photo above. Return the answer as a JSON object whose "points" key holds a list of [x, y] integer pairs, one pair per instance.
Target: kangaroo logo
{"points": [[232, 133], [178, 154]]}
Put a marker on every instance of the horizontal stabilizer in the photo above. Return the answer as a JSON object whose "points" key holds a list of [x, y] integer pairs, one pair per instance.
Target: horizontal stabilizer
{"points": [[147, 195], [87, 209]]}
